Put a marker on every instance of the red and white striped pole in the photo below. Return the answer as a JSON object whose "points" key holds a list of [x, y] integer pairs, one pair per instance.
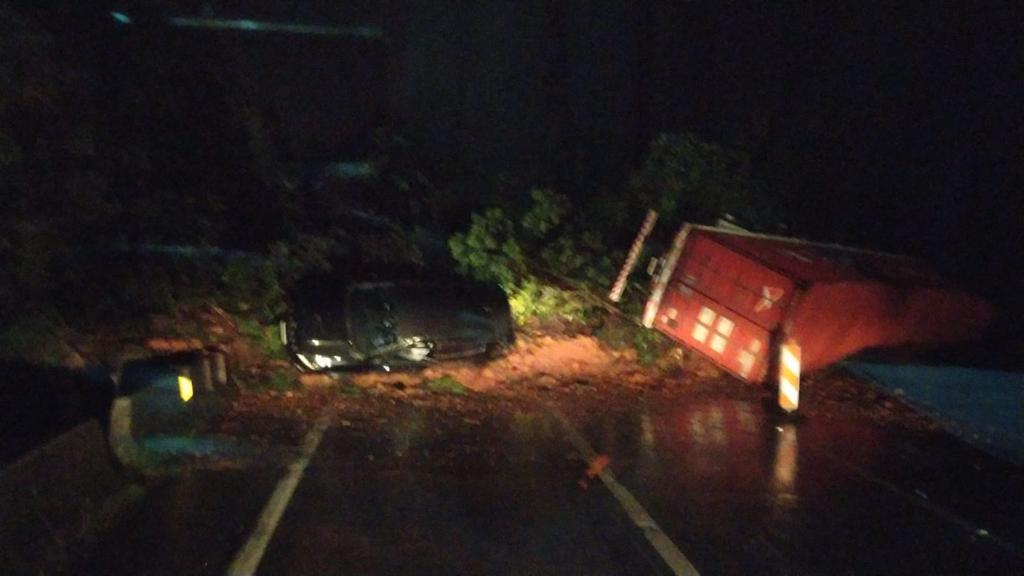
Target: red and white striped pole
{"points": [[634, 253]]}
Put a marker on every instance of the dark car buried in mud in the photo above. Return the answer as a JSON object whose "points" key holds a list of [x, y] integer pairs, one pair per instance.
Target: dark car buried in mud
{"points": [[334, 326]]}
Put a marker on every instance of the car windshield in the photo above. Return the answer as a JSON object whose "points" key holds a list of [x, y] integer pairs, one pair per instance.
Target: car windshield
{"points": [[320, 310], [373, 319]]}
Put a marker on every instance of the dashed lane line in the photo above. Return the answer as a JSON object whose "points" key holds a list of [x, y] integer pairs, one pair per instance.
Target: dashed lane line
{"points": [[247, 560], [662, 544]]}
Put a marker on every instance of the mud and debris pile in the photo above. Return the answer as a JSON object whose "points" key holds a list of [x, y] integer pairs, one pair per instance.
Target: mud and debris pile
{"points": [[542, 361], [540, 368], [578, 372]]}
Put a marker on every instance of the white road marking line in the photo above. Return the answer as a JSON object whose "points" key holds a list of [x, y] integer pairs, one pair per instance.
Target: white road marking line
{"points": [[673, 557], [247, 560]]}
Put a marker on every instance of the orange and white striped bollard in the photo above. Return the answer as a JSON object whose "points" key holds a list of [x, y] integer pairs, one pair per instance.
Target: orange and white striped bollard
{"points": [[789, 376]]}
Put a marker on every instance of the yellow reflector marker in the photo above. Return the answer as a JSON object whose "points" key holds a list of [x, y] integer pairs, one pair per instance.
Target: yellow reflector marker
{"points": [[789, 376], [185, 388]]}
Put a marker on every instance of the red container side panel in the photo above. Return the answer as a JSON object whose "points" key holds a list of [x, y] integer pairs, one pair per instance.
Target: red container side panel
{"points": [[728, 339], [736, 282], [795, 260], [729, 291], [833, 321], [811, 262]]}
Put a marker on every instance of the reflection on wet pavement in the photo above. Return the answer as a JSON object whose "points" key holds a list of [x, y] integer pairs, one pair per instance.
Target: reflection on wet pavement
{"points": [[785, 463], [424, 488], [745, 490], [499, 495]]}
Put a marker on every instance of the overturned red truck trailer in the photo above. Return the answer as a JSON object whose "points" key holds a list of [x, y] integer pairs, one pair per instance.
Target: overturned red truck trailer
{"points": [[737, 297]]}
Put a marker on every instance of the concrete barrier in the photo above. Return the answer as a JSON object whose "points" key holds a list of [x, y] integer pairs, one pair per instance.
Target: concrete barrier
{"points": [[58, 498], [152, 409], [122, 442]]}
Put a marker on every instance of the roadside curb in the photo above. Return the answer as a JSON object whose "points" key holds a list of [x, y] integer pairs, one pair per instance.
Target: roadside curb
{"points": [[122, 444], [59, 498]]}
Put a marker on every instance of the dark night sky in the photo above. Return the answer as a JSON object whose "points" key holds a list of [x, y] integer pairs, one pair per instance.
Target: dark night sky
{"points": [[882, 103], [894, 125]]}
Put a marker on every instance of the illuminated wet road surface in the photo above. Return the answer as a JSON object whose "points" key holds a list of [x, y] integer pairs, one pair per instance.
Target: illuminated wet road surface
{"points": [[735, 490]]}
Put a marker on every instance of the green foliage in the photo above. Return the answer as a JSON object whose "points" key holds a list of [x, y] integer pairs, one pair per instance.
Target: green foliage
{"points": [[615, 335], [490, 249], [496, 249], [251, 286], [541, 246], [686, 178], [581, 256], [650, 345], [534, 300], [211, 177], [280, 382], [262, 337], [446, 385], [546, 212]]}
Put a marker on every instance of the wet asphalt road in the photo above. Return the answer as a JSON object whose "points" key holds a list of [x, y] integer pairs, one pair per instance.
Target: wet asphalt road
{"points": [[737, 491]]}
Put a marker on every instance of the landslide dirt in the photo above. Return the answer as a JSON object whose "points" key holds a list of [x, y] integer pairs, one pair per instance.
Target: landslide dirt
{"points": [[577, 372]]}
